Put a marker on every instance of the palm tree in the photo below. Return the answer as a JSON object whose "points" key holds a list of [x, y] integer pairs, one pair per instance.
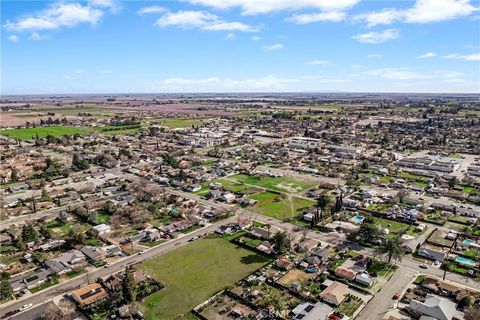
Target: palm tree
{"points": [[392, 247], [446, 267]]}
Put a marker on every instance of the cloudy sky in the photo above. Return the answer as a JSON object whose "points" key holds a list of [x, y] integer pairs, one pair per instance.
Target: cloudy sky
{"points": [[240, 46]]}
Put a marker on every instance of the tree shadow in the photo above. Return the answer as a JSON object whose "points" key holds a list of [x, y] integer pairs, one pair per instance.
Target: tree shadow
{"points": [[253, 258]]}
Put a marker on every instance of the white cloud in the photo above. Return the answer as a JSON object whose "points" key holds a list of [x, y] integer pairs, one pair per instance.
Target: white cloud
{"points": [[152, 9], [276, 46], [423, 11], [202, 20], [35, 36], [13, 38], [230, 36], [374, 56], [75, 75], [318, 62], [396, 74], [385, 16], [113, 5], [427, 55], [466, 57], [377, 37], [56, 16], [253, 7], [256, 38], [329, 16]]}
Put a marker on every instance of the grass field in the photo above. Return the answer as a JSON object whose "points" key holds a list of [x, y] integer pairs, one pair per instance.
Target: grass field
{"points": [[285, 208], [29, 133], [194, 273], [281, 184], [393, 226]]}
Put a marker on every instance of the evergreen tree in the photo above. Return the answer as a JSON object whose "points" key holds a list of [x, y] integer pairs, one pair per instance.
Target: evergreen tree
{"points": [[29, 233], [6, 290], [128, 286]]}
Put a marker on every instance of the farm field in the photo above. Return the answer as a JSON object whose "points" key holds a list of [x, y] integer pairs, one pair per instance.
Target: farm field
{"points": [[212, 264], [281, 184], [30, 133]]}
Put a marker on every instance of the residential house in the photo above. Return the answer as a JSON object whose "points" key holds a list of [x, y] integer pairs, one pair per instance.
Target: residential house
{"points": [[102, 229], [435, 307], [89, 294], [94, 253], [309, 311], [431, 253], [30, 280], [346, 273], [334, 293], [66, 261]]}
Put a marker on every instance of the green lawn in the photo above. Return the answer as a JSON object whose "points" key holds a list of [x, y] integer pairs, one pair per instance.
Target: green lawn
{"points": [[285, 208], [281, 184], [44, 285], [263, 196], [392, 226], [29, 133], [194, 273], [102, 217], [93, 242]]}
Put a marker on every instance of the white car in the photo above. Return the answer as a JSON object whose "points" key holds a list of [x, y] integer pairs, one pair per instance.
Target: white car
{"points": [[108, 265], [436, 263], [25, 307]]}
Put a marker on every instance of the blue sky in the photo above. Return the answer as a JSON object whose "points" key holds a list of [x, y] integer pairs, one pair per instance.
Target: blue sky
{"points": [[104, 46]]}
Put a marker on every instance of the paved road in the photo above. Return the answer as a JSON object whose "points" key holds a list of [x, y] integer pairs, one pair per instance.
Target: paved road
{"points": [[49, 293], [382, 301]]}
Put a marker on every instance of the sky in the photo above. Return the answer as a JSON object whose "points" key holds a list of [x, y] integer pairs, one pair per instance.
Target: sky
{"points": [[108, 46]]}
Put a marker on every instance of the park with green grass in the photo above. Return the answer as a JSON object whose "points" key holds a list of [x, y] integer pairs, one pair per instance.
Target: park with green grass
{"points": [[280, 184], [42, 132], [280, 206], [194, 273]]}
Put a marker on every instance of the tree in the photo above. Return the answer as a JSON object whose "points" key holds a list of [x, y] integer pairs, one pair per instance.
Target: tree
{"points": [[78, 163], [322, 202], [14, 175], [53, 313], [368, 232], [453, 182], [392, 247], [129, 286], [401, 195], [5, 286], [281, 243], [29, 234], [446, 267]]}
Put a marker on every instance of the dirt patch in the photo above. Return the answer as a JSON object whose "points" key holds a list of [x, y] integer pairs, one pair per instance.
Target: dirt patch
{"points": [[289, 187], [292, 276]]}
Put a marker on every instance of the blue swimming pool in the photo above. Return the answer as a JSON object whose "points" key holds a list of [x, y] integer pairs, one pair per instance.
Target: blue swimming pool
{"points": [[467, 242], [358, 219], [466, 261]]}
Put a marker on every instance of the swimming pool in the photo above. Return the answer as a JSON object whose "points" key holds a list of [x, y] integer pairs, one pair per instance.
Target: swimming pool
{"points": [[467, 242], [358, 219], [466, 261]]}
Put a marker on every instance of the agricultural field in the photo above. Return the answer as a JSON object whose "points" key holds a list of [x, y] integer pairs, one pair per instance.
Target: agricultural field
{"points": [[194, 273], [42, 132], [281, 184]]}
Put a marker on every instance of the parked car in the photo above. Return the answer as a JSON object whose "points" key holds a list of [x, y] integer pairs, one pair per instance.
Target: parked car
{"points": [[25, 307], [423, 266], [396, 296]]}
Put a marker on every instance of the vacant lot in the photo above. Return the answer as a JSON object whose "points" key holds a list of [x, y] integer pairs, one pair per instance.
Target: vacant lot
{"points": [[281, 184], [195, 272], [42, 132], [293, 276], [282, 208]]}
